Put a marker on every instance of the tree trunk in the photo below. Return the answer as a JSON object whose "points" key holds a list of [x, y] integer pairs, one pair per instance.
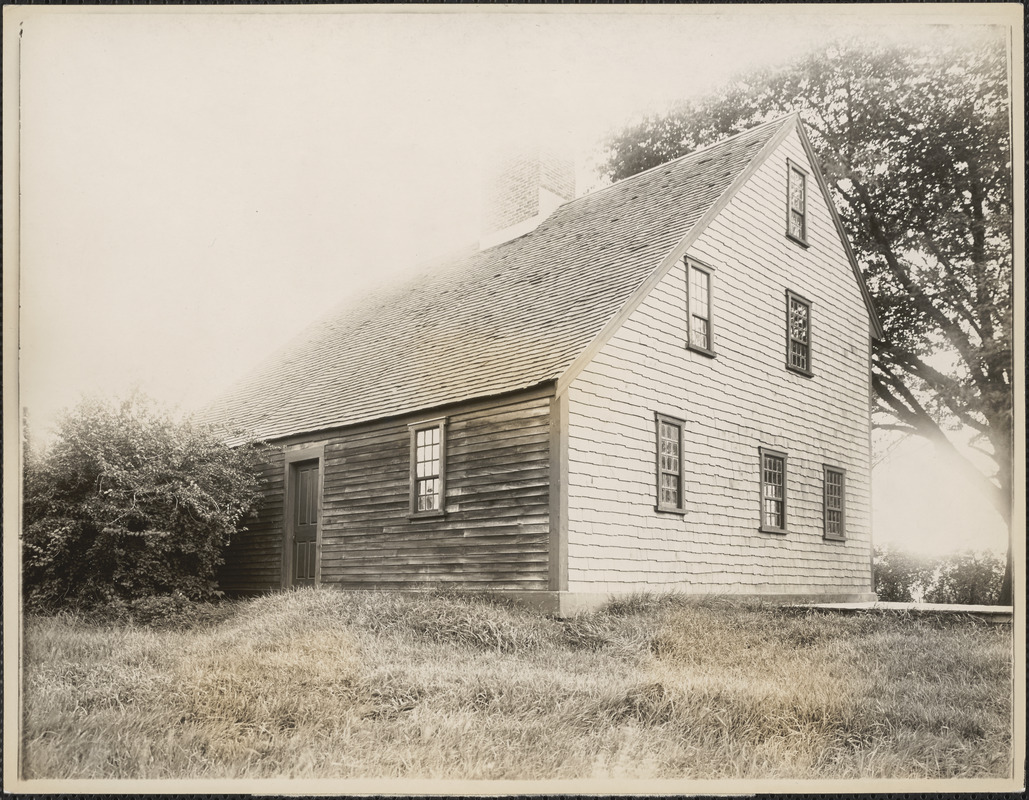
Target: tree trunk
{"points": [[1006, 596]]}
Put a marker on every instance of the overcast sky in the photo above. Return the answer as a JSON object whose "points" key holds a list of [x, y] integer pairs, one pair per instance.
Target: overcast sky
{"points": [[196, 187]]}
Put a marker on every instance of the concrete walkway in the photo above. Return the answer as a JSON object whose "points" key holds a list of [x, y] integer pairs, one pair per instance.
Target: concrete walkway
{"points": [[998, 614]]}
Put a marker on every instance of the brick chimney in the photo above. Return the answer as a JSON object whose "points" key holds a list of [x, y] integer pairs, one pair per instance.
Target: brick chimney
{"points": [[522, 189]]}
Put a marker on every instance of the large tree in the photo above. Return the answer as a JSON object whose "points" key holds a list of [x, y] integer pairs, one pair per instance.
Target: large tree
{"points": [[915, 144]]}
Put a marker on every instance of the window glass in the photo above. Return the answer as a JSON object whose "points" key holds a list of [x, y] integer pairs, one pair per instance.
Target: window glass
{"points": [[834, 503], [669, 464], [798, 201], [798, 321], [773, 491], [700, 308], [427, 483]]}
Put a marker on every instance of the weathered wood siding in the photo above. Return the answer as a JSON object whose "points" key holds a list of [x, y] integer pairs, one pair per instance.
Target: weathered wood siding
{"points": [[732, 404], [494, 533], [253, 561]]}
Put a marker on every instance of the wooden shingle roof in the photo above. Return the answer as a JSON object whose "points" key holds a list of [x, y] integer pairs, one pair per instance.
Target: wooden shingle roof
{"points": [[513, 316]]}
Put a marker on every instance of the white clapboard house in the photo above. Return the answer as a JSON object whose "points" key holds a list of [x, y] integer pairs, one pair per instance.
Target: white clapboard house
{"points": [[663, 385]]}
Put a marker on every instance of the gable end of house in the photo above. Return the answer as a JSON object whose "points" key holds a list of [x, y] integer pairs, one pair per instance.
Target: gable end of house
{"points": [[788, 125]]}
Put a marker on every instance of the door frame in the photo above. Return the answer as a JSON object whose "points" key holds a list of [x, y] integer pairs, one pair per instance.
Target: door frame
{"points": [[292, 459]]}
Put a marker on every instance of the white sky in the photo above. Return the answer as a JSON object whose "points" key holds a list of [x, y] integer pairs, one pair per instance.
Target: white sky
{"points": [[195, 187]]}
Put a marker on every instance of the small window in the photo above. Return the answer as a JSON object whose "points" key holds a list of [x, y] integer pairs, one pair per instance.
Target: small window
{"points": [[428, 467], [700, 335], [833, 502], [773, 491], [798, 334], [669, 464], [796, 210]]}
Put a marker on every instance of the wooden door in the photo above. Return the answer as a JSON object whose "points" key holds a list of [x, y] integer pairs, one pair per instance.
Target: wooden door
{"points": [[305, 523]]}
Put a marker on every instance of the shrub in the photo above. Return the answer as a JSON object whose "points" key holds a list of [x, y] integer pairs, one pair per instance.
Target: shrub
{"points": [[967, 577], [128, 503], [900, 576]]}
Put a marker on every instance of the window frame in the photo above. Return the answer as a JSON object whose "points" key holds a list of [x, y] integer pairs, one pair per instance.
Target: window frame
{"points": [[700, 266], [784, 457], [680, 425], [792, 297], [842, 535], [791, 168], [414, 428]]}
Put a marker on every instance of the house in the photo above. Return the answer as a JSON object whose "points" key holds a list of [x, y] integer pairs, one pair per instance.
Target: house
{"points": [[661, 385]]}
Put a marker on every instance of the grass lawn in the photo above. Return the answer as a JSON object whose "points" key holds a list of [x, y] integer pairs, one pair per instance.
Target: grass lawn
{"points": [[319, 683]]}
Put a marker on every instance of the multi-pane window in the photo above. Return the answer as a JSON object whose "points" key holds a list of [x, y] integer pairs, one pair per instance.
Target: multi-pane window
{"points": [[833, 503], [669, 464], [798, 333], [428, 467], [773, 491], [796, 225], [698, 290]]}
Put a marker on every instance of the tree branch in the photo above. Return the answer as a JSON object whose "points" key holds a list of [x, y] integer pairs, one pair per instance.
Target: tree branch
{"points": [[916, 294], [945, 388]]}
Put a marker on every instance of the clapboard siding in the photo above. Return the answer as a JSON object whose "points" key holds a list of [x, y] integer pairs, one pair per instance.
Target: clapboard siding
{"points": [[253, 560], [495, 533], [743, 399]]}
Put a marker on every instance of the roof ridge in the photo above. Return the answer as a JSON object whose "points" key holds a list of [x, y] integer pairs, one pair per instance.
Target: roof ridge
{"points": [[624, 181], [691, 154]]}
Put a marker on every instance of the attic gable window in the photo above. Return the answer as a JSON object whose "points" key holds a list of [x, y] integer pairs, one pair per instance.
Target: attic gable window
{"points": [[798, 334], [669, 464], [428, 467], [700, 333], [833, 499], [796, 205], [773, 491]]}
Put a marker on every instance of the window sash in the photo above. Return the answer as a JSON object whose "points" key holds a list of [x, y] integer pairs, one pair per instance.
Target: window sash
{"points": [[428, 467], [834, 502], [798, 333], [699, 330], [796, 223], [670, 482], [773, 491]]}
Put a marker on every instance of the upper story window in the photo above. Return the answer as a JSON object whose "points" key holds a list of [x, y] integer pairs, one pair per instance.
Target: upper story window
{"points": [[700, 335], [796, 210], [833, 500], [669, 464], [428, 467], [798, 333], [773, 491]]}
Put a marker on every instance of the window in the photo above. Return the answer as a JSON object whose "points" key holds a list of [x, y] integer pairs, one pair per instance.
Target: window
{"points": [[798, 334], [669, 464], [833, 502], [700, 336], [428, 467], [796, 205], [773, 491]]}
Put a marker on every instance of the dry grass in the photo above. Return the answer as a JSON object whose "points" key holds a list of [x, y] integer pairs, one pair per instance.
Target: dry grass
{"points": [[327, 684]]}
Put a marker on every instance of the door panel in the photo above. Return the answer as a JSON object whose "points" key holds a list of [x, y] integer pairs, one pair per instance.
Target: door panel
{"points": [[305, 523]]}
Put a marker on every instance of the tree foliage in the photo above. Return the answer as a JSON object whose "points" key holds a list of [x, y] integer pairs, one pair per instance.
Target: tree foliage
{"points": [[129, 503], [915, 145]]}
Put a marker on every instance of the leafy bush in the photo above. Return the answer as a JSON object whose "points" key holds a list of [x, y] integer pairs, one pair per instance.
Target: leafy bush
{"points": [[128, 503], [900, 576], [967, 577]]}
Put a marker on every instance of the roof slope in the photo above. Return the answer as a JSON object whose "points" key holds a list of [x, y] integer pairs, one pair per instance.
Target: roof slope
{"points": [[510, 317]]}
